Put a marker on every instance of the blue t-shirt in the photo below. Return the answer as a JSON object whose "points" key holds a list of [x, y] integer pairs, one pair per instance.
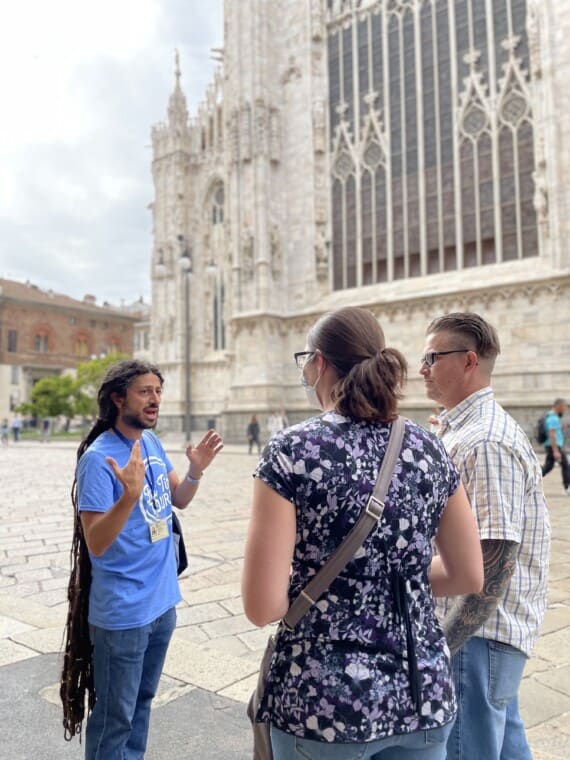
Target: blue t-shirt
{"points": [[343, 674], [553, 422], [134, 581]]}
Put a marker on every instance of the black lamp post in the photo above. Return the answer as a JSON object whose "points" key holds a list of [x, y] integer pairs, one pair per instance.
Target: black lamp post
{"points": [[185, 262]]}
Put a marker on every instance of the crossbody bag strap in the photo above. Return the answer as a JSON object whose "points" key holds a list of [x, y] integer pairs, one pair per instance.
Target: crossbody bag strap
{"points": [[369, 518]]}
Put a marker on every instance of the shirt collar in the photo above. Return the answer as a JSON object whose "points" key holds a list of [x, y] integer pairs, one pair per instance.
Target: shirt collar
{"points": [[456, 417]]}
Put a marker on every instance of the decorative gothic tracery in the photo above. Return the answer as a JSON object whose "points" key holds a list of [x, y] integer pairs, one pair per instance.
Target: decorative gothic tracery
{"points": [[432, 145]]}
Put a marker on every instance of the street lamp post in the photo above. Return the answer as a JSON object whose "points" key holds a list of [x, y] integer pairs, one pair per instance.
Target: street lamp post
{"points": [[185, 262]]}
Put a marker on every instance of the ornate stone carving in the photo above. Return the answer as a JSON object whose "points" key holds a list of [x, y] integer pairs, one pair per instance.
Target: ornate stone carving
{"points": [[540, 198], [260, 126], [274, 135], [322, 245], [474, 111], [245, 132], [247, 251], [319, 126], [317, 26], [533, 32], [275, 252], [292, 71], [234, 135]]}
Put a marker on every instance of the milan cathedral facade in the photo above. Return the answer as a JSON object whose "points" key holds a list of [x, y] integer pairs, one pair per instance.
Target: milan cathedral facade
{"points": [[408, 156]]}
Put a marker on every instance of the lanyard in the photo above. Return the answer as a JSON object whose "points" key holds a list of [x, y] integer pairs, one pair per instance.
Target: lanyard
{"points": [[148, 473]]}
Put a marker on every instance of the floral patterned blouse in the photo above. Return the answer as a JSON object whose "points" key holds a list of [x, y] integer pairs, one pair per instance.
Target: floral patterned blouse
{"points": [[369, 659]]}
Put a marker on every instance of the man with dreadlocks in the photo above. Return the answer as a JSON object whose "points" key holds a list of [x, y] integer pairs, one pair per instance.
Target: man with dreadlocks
{"points": [[123, 587]]}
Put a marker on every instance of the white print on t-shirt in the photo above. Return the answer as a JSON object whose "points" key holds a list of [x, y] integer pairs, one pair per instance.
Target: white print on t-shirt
{"points": [[155, 507]]}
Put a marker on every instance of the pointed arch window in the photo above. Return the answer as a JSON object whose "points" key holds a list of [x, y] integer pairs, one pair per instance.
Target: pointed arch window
{"points": [[445, 180], [218, 200]]}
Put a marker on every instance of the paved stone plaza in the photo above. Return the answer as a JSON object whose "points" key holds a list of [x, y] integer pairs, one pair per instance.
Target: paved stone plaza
{"points": [[212, 662]]}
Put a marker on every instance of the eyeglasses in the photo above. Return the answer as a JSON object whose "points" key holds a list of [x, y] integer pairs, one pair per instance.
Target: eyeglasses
{"points": [[302, 357], [429, 358]]}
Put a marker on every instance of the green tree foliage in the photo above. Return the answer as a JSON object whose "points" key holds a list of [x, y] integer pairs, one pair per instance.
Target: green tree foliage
{"points": [[66, 395], [89, 376], [52, 396]]}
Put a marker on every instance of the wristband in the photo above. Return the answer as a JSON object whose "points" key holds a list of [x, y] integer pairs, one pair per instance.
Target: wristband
{"points": [[192, 480]]}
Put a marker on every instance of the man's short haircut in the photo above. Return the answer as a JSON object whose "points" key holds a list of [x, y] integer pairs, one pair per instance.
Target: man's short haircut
{"points": [[558, 401], [477, 334]]}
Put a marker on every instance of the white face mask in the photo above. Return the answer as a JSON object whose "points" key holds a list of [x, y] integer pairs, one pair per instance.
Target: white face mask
{"points": [[311, 391]]}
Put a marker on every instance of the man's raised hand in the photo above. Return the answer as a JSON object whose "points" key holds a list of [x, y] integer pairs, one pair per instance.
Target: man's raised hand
{"points": [[201, 456], [131, 476]]}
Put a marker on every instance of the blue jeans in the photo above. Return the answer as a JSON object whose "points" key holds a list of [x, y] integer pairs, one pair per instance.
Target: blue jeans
{"points": [[487, 675], [127, 666], [427, 745]]}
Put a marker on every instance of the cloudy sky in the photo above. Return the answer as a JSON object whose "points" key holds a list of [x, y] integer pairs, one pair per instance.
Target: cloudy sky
{"points": [[81, 85]]}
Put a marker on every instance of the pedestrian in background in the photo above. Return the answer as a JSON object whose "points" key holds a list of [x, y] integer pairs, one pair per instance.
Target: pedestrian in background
{"points": [[491, 634], [4, 431], [554, 443], [123, 589], [44, 438], [366, 672], [253, 434], [16, 427]]}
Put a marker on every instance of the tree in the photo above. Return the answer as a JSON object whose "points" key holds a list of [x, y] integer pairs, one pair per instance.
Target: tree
{"points": [[89, 376], [52, 396]]}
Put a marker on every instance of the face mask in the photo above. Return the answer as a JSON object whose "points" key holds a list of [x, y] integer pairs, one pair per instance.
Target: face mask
{"points": [[311, 391]]}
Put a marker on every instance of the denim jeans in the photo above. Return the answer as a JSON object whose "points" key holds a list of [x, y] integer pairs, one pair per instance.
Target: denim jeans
{"points": [[427, 745], [487, 675], [127, 667], [549, 463]]}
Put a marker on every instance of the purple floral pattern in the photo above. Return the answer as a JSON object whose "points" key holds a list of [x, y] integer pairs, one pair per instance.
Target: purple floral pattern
{"points": [[342, 674]]}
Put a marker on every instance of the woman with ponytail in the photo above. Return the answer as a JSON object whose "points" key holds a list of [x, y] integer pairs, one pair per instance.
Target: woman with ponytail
{"points": [[366, 672]]}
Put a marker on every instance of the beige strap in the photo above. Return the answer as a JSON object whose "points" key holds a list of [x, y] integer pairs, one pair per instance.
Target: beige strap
{"points": [[369, 518]]}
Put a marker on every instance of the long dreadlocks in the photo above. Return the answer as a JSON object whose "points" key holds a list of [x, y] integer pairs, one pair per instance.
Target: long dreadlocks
{"points": [[77, 680]]}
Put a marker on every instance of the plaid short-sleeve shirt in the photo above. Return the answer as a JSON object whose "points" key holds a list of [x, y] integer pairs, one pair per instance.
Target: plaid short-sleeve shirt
{"points": [[503, 480]]}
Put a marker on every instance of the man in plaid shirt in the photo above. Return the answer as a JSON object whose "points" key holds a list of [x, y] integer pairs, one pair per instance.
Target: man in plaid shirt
{"points": [[490, 634]]}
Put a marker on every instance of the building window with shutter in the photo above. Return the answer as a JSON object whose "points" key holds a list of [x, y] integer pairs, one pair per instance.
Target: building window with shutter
{"points": [[12, 341]]}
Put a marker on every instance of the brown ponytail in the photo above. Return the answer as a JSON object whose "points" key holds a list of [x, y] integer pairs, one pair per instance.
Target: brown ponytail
{"points": [[370, 376], [372, 388]]}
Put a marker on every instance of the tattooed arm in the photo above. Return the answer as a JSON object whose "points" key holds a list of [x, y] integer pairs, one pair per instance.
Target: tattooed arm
{"points": [[471, 611]]}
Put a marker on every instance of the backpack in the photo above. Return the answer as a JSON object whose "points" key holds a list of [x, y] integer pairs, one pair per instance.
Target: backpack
{"points": [[540, 431]]}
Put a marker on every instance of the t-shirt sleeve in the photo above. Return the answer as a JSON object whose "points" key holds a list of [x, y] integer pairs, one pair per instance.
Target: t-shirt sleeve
{"points": [[552, 422], [276, 467], [96, 483], [495, 483], [453, 477]]}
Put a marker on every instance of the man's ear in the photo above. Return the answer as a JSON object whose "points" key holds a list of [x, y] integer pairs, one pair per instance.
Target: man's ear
{"points": [[117, 400], [472, 360]]}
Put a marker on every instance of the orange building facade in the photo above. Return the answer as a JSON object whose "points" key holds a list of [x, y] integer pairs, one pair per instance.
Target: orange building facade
{"points": [[43, 333]]}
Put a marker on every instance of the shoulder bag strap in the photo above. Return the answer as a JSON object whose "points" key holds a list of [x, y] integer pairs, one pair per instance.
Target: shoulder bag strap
{"points": [[356, 537]]}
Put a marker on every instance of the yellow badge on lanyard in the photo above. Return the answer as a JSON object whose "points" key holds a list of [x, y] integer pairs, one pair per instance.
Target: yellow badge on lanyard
{"points": [[158, 531]]}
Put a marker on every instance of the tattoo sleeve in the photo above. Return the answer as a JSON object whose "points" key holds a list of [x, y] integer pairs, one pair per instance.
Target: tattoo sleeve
{"points": [[468, 613]]}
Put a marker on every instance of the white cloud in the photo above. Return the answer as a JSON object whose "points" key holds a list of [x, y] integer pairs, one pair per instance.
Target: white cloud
{"points": [[82, 84]]}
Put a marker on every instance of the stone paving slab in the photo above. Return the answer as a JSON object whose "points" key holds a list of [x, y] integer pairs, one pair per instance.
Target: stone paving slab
{"points": [[191, 663], [191, 724], [212, 663]]}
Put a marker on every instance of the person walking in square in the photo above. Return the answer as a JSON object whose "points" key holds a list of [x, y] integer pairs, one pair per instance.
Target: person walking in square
{"points": [[16, 427], [253, 434], [554, 443], [124, 588], [491, 634], [4, 432]]}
